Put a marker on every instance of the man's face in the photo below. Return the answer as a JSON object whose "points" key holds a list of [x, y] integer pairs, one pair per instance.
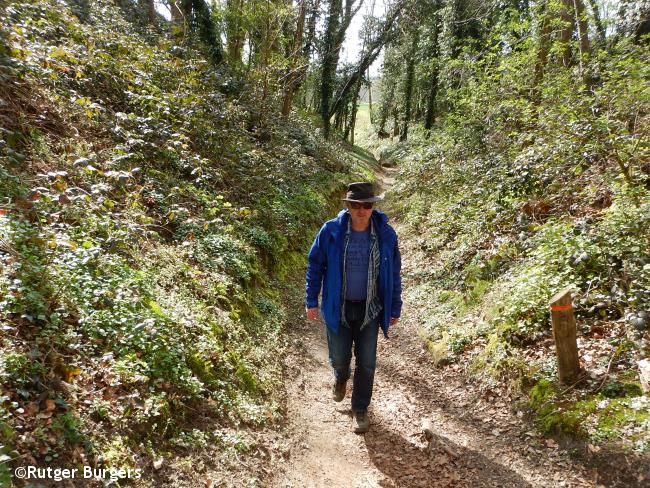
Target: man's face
{"points": [[360, 212]]}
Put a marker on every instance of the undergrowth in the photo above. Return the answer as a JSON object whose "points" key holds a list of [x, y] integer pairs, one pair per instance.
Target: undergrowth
{"points": [[149, 214], [508, 201]]}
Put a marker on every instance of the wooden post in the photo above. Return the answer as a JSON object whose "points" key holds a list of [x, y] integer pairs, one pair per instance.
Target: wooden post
{"points": [[564, 333]]}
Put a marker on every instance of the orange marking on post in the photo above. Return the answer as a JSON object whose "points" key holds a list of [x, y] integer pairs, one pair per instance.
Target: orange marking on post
{"points": [[561, 308]]}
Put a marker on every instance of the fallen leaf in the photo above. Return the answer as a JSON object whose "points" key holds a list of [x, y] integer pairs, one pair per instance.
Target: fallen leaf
{"points": [[592, 449], [70, 373], [441, 460], [31, 409]]}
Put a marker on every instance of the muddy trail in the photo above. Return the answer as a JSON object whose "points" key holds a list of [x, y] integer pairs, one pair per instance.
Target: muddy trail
{"points": [[429, 427]]}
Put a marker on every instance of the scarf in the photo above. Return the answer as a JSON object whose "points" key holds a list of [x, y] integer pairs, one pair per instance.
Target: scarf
{"points": [[373, 301]]}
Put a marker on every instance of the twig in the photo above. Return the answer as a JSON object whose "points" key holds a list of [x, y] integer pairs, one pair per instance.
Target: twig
{"points": [[571, 386], [13, 458], [609, 366], [7, 247]]}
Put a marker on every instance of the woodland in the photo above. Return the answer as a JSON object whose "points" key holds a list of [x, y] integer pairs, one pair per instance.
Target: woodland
{"points": [[165, 166]]}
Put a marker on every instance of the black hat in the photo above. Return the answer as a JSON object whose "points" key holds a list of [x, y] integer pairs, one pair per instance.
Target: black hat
{"points": [[361, 192]]}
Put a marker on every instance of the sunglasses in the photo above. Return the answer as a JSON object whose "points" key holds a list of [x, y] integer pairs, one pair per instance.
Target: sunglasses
{"points": [[357, 205]]}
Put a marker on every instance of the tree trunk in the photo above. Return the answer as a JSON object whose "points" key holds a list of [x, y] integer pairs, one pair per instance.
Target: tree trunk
{"points": [[369, 96], [266, 52], [311, 28], [343, 22], [543, 47], [600, 28], [338, 118], [307, 49], [355, 106], [395, 122], [566, 31], [295, 58], [348, 14], [388, 96], [431, 101], [408, 89], [198, 12], [148, 9], [433, 90], [642, 27], [235, 36], [81, 8], [330, 60], [583, 30], [176, 12], [370, 55]]}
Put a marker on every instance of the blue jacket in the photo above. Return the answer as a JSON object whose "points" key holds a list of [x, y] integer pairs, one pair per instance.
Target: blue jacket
{"points": [[325, 268]]}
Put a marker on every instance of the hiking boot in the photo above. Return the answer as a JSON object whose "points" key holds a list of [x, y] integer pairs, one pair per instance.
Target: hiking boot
{"points": [[338, 390], [361, 422]]}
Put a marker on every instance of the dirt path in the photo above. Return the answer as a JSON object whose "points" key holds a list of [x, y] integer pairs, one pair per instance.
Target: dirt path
{"points": [[476, 439], [475, 442]]}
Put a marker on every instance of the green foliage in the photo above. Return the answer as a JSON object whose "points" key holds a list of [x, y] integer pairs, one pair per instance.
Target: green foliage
{"points": [[144, 223], [595, 416], [533, 178]]}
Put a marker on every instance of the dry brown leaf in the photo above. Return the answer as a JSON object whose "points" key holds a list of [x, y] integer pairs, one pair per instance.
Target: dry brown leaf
{"points": [[31, 409], [441, 459]]}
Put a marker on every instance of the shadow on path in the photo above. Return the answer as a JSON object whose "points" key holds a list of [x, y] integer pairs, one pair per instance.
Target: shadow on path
{"points": [[440, 464]]}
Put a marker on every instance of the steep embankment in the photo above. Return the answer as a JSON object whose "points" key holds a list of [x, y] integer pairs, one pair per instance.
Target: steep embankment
{"points": [[150, 209], [429, 426], [510, 199], [491, 260]]}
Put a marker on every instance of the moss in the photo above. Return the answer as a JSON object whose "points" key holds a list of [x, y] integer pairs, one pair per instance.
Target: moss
{"points": [[594, 416], [289, 264], [202, 368], [541, 393], [445, 295], [478, 289], [155, 308], [617, 389], [492, 357], [439, 350], [247, 378]]}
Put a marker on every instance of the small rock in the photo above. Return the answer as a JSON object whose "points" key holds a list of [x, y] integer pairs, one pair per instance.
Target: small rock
{"points": [[83, 162]]}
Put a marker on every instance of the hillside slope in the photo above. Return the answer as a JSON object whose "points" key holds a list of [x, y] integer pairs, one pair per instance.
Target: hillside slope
{"points": [[151, 209], [509, 200]]}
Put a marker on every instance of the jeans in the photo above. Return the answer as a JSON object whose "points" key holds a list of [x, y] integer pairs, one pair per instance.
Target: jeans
{"points": [[365, 353]]}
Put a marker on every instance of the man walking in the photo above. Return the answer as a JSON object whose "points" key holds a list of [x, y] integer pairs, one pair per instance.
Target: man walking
{"points": [[356, 261]]}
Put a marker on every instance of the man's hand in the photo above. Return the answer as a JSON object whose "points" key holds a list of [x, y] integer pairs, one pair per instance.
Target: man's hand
{"points": [[394, 320], [312, 313]]}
